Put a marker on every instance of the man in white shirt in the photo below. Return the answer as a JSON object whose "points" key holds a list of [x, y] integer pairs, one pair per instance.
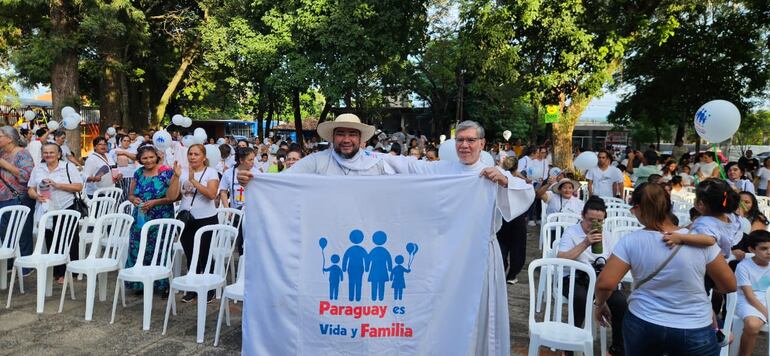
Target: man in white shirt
{"points": [[605, 180], [35, 146]]}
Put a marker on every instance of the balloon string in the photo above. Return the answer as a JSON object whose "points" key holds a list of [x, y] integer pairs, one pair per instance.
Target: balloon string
{"points": [[323, 267], [719, 164]]}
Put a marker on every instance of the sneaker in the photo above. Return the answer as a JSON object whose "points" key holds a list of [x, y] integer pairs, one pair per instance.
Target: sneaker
{"points": [[513, 281], [531, 223], [188, 297]]}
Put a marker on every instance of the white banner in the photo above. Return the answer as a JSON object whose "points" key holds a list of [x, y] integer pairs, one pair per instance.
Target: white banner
{"points": [[365, 265]]}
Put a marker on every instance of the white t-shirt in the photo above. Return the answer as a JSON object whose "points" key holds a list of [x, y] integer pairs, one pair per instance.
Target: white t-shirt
{"points": [[764, 176], [35, 149], [59, 199], [675, 297], [743, 185], [227, 184], [558, 204], [727, 234], [524, 164], [95, 163], [537, 169], [748, 273], [126, 166], [202, 207], [687, 179], [604, 179], [706, 169], [573, 236]]}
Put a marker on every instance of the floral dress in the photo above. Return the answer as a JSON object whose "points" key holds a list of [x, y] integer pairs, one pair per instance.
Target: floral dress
{"points": [[148, 188]]}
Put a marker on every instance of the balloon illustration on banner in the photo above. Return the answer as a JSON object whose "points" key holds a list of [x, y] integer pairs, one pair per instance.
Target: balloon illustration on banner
{"points": [[412, 249], [67, 111], [447, 151], [111, 131], [717, 120], [322, 242], [53, 125], [507, 135], [161, 139], [586, 161], [29, 115]]}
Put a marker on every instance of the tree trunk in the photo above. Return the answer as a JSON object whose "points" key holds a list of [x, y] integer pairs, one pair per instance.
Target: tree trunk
{"points": [[562, 131], [261, 113], [65, 90], [110, 93], [679, 132], [269, 121], [160, 109], [298, 120], [325, 111]]}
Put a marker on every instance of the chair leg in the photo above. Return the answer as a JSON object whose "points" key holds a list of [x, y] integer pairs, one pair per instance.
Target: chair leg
{"points": [[42, 284], [534, 347], [49, 286], [101, 279], [82, 248], [202, 302], [222, 306], [177, 267], [115, 299], [90, 294], [10, 289], [540, 292], [4, 274], [72, 289], [737, 331], [147, 315], [603, 340], [168, 311], [227, 315], [63, 293], [21, 280], [172, 298]]}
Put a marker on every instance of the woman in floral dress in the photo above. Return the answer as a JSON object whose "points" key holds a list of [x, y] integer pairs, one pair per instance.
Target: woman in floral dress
{"points": [[148, 194]]}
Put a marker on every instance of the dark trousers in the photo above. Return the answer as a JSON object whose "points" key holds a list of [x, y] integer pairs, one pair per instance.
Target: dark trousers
{"points": [[512, 237], [618, 307], [188, 241], [644, 338], [58, 271], [26, 244]]}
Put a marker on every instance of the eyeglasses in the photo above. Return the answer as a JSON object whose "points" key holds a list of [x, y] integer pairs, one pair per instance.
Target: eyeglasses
{"points": [[469, 141]]}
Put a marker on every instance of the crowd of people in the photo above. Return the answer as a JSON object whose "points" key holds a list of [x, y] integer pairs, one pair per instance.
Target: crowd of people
{"points": [[38, 170]]}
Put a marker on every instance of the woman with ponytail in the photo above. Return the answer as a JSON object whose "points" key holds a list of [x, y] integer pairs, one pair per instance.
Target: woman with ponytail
{"points": [[668, 311], [231, 194]]}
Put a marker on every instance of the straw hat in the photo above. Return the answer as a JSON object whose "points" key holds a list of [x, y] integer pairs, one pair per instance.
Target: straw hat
{"points": [[349, 121], [555, 188]]}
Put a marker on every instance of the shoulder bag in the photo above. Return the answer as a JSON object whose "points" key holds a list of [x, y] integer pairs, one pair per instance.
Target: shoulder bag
{"points": [[185, 215], [78, 205]]}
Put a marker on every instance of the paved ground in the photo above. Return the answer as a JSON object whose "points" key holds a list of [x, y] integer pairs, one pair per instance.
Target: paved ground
{"points": [[23, 332]]}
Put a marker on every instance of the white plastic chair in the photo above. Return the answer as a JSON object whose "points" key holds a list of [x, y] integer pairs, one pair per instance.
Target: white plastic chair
{"points": [[126, 207], [627, 192], [114, 193], [214, 275], [619, 206], [100, 206], [112, 229], [564, 217], [232, 292], [168, 232], [550, 236], [610, 224], [583, 191], [64, 225], [618, 212], [553, 331], [737, 329], [16, 216], [732, 301], [611, 200], [230, 217], [763, 202]]}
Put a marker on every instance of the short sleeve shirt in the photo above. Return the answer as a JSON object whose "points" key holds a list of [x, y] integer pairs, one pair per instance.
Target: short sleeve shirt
{"points": [[201, 207], [602, 180]]}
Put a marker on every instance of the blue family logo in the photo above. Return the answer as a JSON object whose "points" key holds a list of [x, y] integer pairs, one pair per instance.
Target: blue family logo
{"points": [[700, 120], [377, 263]]}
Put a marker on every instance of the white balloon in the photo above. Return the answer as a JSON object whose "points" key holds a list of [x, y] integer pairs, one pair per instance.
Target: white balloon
{"points": [[71, 122], [441, 139], [586, 161], [186, 122], [67, 110], [213, 155], [161, 139], [140, 139], [717, 120], [29, 115], [200, 135], [177, 119], [188, 140], [111, 131], [507, 134], [53, 125], [447, 151]]}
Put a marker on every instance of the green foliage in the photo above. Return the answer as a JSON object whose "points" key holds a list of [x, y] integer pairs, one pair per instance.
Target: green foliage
{"points": [[754, 130]]}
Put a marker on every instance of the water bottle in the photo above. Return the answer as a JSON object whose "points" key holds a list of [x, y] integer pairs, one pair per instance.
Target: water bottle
{"points": [[44, 189], [140, 215], [597, 248]]}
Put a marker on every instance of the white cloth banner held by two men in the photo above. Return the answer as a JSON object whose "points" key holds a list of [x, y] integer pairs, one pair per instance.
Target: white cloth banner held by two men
{"points": [[366, 265]]}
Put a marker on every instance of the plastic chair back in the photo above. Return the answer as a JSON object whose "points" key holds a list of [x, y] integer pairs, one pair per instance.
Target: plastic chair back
{"points": [[16, 216], [550, 235], [613, 238], [113, 193], [114, 231], [101, 206], [230, 217], [554, 294], [64, 224], [168, 232], [222, 243], [126, 207], [564, 217], [610, 224], [618, 212]]}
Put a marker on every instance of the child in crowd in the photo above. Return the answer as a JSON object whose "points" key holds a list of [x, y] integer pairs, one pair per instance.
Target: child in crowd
{"points": [[753, 275]]}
